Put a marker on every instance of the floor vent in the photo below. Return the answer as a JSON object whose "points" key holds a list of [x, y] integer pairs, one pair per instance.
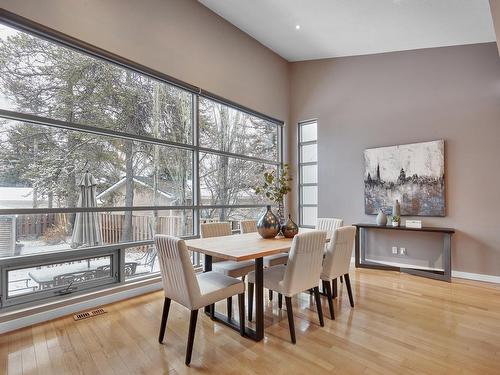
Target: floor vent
{"points": [[89, 314]]}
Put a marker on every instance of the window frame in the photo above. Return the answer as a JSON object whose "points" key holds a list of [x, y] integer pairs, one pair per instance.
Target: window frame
{"points": [[300, 164], [118, 250], [42, 259]]}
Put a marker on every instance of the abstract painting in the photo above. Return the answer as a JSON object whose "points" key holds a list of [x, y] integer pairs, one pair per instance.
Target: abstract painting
{"points": [[413, 174]]}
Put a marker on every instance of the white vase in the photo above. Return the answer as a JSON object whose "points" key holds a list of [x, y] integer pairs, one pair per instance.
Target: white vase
{"points": [[381, 218], [395, 224]]}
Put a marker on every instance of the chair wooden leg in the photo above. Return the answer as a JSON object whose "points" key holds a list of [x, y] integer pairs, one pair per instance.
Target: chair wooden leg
{"points": [[241, 309], [230, 308], [192, 329], [349, 290], [164, 317], [291, 325], [317, 297], [250, 301], [341, 279], [334, 288], [280, 300], [270, 295], [327, 287]]}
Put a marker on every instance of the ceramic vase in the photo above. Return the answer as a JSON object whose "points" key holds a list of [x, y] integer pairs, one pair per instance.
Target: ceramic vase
{"points": [[381, 218], [289, 229], [268, 225]]}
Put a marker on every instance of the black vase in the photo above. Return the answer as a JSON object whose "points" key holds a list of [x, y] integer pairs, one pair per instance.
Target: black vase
{"points": [[289, 229], [268, 225]]}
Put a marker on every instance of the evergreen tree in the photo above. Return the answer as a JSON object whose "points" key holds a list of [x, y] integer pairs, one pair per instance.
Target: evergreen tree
{"points": [[402, 176]]}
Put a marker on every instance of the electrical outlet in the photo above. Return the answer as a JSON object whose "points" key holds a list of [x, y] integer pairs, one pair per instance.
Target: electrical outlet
{"points": [[402, 251], [394, 249]]}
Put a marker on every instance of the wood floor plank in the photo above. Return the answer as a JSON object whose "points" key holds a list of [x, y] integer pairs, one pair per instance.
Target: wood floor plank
{"points": [[43, 363], [401, 324]]}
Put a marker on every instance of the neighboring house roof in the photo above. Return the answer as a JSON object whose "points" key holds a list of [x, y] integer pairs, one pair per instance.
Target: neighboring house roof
{"points": [[143, 181], [18, 197]]}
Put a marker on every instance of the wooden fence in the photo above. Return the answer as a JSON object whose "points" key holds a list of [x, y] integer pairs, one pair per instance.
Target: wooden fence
{"points": [[34, 226], [112, 226]]}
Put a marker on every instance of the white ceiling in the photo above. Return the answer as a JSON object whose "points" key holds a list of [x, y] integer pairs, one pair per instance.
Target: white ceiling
{"points": [[333, 28]]}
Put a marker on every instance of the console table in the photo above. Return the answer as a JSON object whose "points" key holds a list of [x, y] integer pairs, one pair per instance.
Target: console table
{"points": [[361, 261]]}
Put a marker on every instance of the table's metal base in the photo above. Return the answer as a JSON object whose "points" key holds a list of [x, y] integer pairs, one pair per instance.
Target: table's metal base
{"points": [[256, 334], [233, 324]]}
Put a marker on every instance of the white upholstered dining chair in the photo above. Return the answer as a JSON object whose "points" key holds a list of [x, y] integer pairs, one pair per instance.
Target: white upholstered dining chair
{"points": [[250, 226], [329, 225], [193, 291], [227, 267], [301, 273], [337, 262]]}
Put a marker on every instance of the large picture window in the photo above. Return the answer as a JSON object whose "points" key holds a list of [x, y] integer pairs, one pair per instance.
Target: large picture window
{"points": [[96, 157], [226, 129]]}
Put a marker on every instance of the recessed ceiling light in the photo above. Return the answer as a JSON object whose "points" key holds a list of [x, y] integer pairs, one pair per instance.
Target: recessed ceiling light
{"points": [[297, 27]]}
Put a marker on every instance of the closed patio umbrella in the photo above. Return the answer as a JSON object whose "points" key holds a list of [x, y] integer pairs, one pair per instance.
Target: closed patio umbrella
{"points": [[87, 228]]}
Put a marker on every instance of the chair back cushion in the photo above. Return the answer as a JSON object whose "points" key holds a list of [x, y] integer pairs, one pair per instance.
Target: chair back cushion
{"points": [[248, 226], [304, 262], [177, 272], [339, 253], [329, 225], [208, 230]]}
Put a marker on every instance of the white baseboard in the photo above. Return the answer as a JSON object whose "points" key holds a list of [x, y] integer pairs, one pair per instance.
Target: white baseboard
{"points": [[44, 316], [476, 276]]}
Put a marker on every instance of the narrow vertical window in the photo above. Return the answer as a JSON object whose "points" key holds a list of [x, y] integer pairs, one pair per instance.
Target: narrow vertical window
{"points": [[308, 173]]}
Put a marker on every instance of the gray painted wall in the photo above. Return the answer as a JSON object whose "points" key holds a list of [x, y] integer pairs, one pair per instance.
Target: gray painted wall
{"points": [[450, 93]]}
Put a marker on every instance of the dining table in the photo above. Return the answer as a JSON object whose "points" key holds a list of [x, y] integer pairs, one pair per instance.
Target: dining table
{"points": [[241, 247]]}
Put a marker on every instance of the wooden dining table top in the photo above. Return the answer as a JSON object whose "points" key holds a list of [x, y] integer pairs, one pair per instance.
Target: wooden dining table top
{"points": [[241, 247]]}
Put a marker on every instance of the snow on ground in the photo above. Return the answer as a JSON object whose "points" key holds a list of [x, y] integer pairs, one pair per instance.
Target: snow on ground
{"points": [[20, 281]]}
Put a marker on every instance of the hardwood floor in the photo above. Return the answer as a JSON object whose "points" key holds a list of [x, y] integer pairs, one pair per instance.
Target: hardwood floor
{"points": [[401, 324]]}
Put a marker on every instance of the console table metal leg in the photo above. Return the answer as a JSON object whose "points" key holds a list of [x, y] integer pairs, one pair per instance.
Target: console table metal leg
{"points": [[447, 256], [356, 247], [362, 246], [359, 248]]}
